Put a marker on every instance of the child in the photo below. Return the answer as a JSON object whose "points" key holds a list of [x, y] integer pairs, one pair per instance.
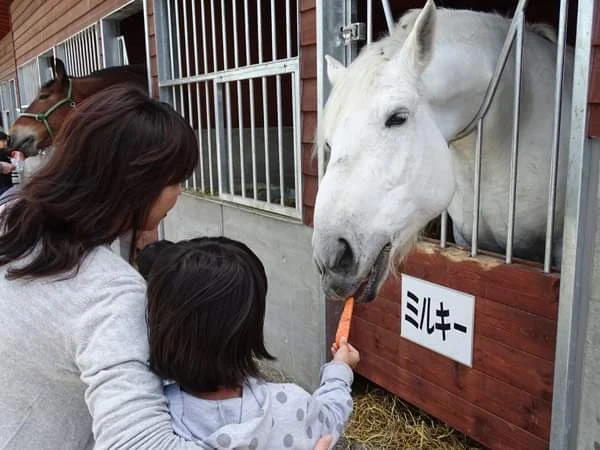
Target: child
{"points": [[206, 308]]}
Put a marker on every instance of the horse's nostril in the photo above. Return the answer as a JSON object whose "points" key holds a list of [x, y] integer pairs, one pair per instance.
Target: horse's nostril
{"points": [[345, 256]]}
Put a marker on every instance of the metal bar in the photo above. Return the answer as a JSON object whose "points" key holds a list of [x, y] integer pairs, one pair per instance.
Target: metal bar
{"points": [[444, 231], [369, 21], [297, 141], [171, 51], [200, 140], [195, 37], [581, 216], [86, 53], [288, 30], [236, 54], [82, 49], [245, 72], [247, 32], [179, 60], [186, 39], [558, 87], [264, 206], [78, 66], [220, 134], [280, 138], [266, 136], [229, 137], [389, 18], [514, 158], [273, 33], [178, 41], [171, 57], [209, 137], [204, 51], [90, 49], [191, 121], [253, 137], [95, 46], [476, 189], [214, 37], [70, 61], [259, 29], [241, 137], [224, 35], [491, 90]]}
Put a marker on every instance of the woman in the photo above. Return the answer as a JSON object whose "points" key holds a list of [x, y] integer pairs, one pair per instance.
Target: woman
{"points": [[73, 340], [73, 347]]}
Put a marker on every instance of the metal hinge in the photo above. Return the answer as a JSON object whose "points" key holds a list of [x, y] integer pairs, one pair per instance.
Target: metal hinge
{"points": [[354, 32]]}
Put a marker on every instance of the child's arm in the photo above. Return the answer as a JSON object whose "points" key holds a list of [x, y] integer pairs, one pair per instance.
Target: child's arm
{"points": [[331, 404]]}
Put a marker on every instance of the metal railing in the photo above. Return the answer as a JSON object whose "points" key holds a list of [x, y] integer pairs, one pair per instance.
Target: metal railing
{"points": [[236, 80], [80, 52], [514, 40]]}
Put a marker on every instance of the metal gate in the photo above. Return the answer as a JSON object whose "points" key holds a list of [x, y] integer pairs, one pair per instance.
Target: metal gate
{"points": [[80, 54], [8, 103], [357, 30], [231, 69], [342, 31]]}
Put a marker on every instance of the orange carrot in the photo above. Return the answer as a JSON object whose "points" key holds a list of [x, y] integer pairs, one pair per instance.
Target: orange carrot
{"points": [[343, 329]]}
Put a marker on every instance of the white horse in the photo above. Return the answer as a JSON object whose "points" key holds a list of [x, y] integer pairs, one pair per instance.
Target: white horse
{"points": [[387, 127]]}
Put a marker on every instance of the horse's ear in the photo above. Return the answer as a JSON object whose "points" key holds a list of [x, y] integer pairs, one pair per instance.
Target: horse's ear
{"points": [[335, 69], [418, 47], [58, 69]]}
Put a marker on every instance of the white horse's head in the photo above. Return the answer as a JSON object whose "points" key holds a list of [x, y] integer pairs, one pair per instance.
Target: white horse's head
{"points": [[390, 170]]}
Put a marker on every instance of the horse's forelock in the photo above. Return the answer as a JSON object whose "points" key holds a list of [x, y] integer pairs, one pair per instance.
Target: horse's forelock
{"points": [[354, 88]]}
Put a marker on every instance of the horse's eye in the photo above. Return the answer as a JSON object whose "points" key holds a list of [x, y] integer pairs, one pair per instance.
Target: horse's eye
{"points": [[327, 147], [396, 119], [44, 96]]}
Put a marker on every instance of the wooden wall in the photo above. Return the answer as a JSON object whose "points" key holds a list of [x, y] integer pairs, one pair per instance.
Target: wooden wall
{"points": [[39, 24], [7, 58], [308, 76], [504, 401], [152, 43]]}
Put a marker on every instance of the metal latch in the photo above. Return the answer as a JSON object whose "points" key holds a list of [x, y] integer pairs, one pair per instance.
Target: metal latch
{"points": [[354, 32]]}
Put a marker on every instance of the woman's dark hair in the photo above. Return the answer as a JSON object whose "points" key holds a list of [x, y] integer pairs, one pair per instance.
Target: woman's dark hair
{"points": [[148, 255], [206, 310], [112, 158]]}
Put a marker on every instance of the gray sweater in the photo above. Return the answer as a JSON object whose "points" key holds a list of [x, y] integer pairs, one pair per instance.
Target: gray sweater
{"points": [[267, 415], [73, 361]]}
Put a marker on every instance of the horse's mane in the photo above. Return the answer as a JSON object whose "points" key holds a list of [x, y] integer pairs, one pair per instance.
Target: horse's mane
{"points": [[366, 68]]}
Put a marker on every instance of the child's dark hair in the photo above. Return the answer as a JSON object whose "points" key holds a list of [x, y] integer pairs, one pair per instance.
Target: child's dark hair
{"points": [[147, 256], [206, 309]]}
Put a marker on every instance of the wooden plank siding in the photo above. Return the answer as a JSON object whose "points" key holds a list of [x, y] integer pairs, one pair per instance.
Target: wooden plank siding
{"points": [[308, 86], [594, 96], [4, 18], [152, 42], [39, 25], [7, 58], [504, 401]]}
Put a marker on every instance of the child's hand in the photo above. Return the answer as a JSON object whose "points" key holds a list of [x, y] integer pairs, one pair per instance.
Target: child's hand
{"points": [[345, 353]]}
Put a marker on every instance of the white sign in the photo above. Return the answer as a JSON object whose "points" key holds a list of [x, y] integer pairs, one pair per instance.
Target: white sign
{"points": [[438, 318]]}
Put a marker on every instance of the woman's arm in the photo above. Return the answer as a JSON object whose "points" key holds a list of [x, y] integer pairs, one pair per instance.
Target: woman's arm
{"points": [[125, 399]]}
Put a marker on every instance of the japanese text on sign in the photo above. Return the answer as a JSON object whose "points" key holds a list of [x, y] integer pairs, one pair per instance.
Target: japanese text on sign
{"points": [[438, 318]]}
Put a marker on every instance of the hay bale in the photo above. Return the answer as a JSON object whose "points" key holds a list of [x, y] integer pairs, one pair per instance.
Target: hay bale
{"points": [[382, 421]]}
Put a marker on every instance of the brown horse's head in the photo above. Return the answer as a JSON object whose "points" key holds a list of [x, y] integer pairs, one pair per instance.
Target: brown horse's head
{"points": [[35, 128]]}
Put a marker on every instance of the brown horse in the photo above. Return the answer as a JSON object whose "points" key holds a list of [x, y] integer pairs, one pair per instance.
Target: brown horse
{"points": [[34, 130]]}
